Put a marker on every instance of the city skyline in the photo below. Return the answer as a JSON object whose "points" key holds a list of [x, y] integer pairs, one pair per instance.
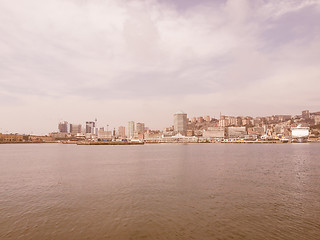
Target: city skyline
{"points": [[180, 121], [119, 61], [264, 129]]}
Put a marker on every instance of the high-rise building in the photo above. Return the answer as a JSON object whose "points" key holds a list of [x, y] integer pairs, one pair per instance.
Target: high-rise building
{"points": [[90, 127], [140, 128], [180, 123], [131, 129], [122, 132], [75, 129], [96, 126], [306, 114], [63, 127]]}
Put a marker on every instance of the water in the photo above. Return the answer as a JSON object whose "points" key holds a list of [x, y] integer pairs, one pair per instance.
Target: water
{"points": [[168, 191]]}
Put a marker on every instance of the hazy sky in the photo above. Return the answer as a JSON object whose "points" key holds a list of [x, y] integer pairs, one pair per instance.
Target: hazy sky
{"points": [[141, 60]]}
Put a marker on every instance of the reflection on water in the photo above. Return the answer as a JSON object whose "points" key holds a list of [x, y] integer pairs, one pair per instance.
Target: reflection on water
{"points": [[194, 191]]}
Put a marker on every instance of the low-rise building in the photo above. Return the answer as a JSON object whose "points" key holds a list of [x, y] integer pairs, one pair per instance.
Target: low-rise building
{"points": [[214, 132], [7, 138], [236, 132], [259, 131], [190, 133]]}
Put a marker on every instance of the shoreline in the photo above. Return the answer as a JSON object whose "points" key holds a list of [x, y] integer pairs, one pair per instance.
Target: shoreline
{"points": [[143, 143]]}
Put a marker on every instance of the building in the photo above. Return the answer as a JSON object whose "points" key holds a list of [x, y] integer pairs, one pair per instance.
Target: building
{"points": [[102, 134], [63, 127], [193, 120], [180, 123], [131, 129], [236, 132], [58, 135], [259, 131], [207, 118], [7, 138], [75, 129], [300, 134], [247, 121], [214, 132], [153, 134], [122, 132], [306, 114], [190, 133], [140, 128], [316, 120], [90, 127], [200, 119], [222, 122]]}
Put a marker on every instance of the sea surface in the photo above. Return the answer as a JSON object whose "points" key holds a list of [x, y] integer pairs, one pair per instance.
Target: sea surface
{"points": [[160, 191]]}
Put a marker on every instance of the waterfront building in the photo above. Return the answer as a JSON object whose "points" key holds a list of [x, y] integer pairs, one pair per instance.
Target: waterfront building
{"points": [[214, 132], [58, 135], [190, 133], [75, 129], [102, 134], [180, 123], [153, 134], [122, 132], [63, 127], [96, 127], [90, 127], [131, 129], [259, 131], [236, 132], [140, 128], [7, 138], [179, 138], [299, 133]]}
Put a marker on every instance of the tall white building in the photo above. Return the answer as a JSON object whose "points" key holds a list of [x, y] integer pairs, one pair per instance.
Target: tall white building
{"points": [[180, 123], [131, 129]]}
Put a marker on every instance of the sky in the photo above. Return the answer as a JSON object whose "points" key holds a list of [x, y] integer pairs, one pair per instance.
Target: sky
{"points": [[144, 60]]}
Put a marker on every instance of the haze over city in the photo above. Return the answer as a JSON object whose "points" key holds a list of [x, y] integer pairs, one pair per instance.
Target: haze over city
{"points": [[144, 60]]}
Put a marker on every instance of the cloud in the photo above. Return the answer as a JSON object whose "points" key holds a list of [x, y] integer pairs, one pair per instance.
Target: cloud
{"points": [[200, 57]]}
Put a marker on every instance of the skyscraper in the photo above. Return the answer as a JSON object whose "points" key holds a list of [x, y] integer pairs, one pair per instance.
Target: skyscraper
{"points": [[63, 127], [131, 129], [140, 128], [180, 123], [75, 129], [90, 127], [122, 132]]}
